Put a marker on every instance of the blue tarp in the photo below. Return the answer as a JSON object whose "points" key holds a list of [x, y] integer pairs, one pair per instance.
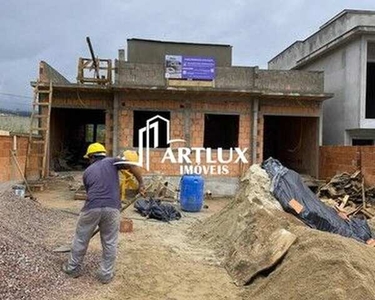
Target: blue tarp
{"points": [[156, 210], [288, 185]]}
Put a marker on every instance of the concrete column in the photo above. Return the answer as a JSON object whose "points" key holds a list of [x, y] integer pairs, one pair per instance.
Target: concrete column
{"points": [[187, 122], [363, 81], [121, 54], [320, 125], [116, 105], [254, 135]]}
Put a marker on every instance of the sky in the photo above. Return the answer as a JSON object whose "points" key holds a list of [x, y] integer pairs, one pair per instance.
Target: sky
{"points": [[55, 31]]}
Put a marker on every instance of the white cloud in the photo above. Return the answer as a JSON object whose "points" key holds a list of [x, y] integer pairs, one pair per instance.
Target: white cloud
{"points": [[55, 31]]}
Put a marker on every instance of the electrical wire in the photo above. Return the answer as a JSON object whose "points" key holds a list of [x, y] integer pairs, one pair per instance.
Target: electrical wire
{"points": [[15, 95]]}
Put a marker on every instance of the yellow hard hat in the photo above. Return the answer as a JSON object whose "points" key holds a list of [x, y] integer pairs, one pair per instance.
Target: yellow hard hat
{"points": [[130, 155], [94, 148]]}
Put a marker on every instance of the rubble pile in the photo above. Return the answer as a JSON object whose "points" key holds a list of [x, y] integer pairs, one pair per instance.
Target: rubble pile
{"points": [[275, 256], [28, 267], [347, 194]]}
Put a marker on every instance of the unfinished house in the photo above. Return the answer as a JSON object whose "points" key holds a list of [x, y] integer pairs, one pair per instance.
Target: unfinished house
{"points": [[344, 48], [200, 101]]}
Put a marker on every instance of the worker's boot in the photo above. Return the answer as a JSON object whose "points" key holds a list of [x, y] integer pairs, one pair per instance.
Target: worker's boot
{"points": [[74, 273], [104, 279]]}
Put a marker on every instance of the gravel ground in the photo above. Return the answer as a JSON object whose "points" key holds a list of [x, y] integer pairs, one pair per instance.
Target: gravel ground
{"points": [[28, 267], [156, 261]]}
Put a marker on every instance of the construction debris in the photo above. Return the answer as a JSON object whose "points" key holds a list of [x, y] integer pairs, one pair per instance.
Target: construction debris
{"points": [[161, 188], [348, 195]]}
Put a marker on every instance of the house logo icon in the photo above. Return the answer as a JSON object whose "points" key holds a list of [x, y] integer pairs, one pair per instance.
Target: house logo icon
{"points": [[152, 128]]}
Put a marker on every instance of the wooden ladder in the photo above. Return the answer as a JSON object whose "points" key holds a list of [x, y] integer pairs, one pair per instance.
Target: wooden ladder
{"points": [[39, 130]]}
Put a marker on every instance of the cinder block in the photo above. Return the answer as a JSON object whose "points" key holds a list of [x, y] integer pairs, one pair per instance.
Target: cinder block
{"points": [[126, 225]]}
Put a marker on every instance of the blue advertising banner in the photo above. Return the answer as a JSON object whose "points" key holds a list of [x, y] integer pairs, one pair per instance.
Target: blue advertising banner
{"points": [[190, 67], [198, 68]]}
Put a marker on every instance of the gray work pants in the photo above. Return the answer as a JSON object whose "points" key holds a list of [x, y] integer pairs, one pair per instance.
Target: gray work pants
{"points": [[108, 220]]}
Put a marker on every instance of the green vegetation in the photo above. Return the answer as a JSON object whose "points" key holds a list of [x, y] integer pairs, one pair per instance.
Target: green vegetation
{"points": [[14, 123]]}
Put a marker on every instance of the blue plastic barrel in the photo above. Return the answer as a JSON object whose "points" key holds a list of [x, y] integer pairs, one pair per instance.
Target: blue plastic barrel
{"points": [[191, 192]]}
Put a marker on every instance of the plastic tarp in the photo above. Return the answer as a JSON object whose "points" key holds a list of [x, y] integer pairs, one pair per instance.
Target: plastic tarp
{"points": [[156, 210], [296, 198]]}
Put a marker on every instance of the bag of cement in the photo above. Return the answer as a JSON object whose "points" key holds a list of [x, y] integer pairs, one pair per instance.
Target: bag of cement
{"points": [[296, 198], [156, 210]]}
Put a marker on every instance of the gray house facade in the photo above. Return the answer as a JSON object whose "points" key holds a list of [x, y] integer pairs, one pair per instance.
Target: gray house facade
{"points": [[344, 48]]}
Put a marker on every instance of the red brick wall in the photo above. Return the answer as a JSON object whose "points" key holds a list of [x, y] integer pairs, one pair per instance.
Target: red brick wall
{"points": [[5, 159], [80, 100], [339, 159], [109, 131], [195, 130], [95, 100], [195, 118], [368, 163], [8, 170], [178, 104]]}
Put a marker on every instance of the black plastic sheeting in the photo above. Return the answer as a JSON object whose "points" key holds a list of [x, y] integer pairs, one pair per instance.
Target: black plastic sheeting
{"points": [[287, 185], [156, 210]]}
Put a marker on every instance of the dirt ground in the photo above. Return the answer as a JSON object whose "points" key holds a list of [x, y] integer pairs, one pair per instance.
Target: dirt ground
{"points": [[184, 259], [156, 261]]}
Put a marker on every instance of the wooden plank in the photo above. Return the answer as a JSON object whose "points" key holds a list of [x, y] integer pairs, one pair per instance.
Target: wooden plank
{"points": [[367, 213], [344, 201], [80, 196], [47, 134], [354, 210], [355, 175], [363, 192]]}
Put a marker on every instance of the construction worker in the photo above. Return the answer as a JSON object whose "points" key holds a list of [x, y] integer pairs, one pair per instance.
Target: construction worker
{"points": [[102, 209], [127, 179]]}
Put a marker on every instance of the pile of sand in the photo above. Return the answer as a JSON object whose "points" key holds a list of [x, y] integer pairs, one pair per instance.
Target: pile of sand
{"points": [[277, 257]]}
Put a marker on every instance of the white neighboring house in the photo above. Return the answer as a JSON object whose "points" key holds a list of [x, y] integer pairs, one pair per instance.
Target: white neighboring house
{"points": [[344, 48]]}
